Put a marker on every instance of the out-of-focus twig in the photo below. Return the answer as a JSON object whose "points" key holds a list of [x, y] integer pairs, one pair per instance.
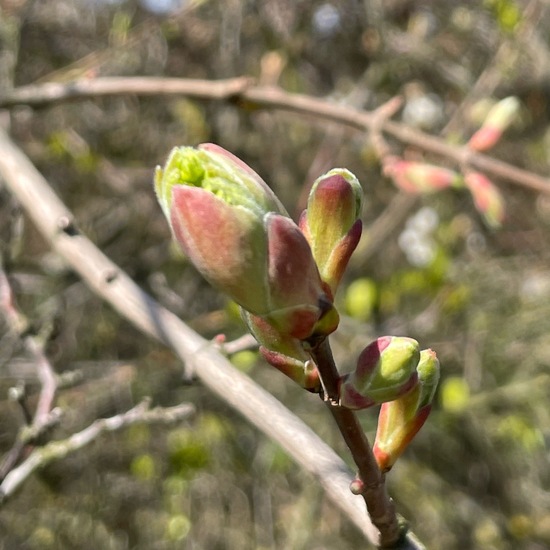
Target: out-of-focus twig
{"points": [[57, 450], [45, 416], [506, 56], [56, 224], [243, 92], [18, 323]]}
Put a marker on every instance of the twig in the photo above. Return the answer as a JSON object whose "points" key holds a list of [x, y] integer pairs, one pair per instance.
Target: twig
{"points": [[244, 342], [372, 486], [105, 278], [44, 416], [19, 324], [57, 450], [243, 92]]}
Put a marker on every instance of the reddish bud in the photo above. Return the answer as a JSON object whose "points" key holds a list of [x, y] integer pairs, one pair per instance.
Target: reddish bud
{"points": [[237, 234], [487, 198], [400, 420], [420, 178], [497, 121], [331, 223]]}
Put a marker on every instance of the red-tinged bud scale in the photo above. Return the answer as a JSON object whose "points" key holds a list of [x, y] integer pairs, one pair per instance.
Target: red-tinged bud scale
{"points": [[284, 352]]}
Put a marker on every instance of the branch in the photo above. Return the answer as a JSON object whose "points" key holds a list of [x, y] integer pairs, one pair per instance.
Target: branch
{"points": [[57, 450], [47, 377], [259, 407], [44, 416], [242, 91]]}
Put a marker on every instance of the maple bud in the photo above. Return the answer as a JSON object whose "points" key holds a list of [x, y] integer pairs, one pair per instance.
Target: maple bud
{"points": [[487, 198], [419, 177]]}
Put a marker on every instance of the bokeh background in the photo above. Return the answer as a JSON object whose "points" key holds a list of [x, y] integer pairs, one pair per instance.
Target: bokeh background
{"points": [[477, 476]]}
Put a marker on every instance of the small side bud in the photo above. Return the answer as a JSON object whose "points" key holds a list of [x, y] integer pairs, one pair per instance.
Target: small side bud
{"points": [[487, 198], [385, 370], [499, 118], [357, 486], [400, 420], [331, 222], [420, 178]]}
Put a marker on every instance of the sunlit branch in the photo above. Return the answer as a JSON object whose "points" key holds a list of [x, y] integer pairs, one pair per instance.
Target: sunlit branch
{"points": [[242, 91]]}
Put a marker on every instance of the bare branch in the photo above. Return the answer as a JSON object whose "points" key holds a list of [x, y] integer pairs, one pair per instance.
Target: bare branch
{"points": [[258, 406], [57, 450], [19, 324], [44, 416], [243, 92]]}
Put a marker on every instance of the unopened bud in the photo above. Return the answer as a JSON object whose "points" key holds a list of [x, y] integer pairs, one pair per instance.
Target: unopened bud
{"points": [[419, 177], [499, 118], [331, 222], [240, 238], [400, 420], [385, 370], [487, 198]]}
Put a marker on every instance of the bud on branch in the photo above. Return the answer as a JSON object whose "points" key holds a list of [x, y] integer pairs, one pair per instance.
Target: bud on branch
{"points": [[240, 238]]}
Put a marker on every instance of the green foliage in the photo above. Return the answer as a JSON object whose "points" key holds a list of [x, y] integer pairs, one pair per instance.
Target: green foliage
{"points": [[360, 298], [454, 394], [506, 12], [187, 452], [143, 467], [244, 360]]}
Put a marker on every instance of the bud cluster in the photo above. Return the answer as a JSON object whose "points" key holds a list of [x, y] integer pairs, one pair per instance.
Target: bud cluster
{"points": [[284, 276]]}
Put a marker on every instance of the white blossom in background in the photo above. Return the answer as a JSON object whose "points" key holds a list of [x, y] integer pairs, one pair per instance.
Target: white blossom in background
{"points": [[416, 240], [326, 20]]}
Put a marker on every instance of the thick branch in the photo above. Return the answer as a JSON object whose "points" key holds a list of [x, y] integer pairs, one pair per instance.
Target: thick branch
{"points": [[105, 278], [242, 91]]}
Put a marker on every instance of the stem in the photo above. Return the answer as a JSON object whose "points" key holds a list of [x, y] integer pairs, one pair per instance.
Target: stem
{"points": [[379, 505]]}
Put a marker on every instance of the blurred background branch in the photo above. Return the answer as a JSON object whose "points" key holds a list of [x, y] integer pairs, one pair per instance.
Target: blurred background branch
{"points": [[60, 449], [242, 91]]}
